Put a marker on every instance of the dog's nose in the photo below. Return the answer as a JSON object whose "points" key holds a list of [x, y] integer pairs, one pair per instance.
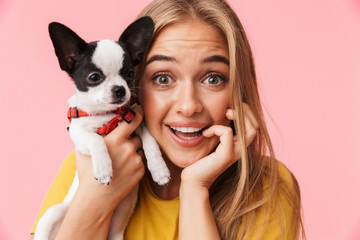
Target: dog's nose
{"points": [[119, 92]]}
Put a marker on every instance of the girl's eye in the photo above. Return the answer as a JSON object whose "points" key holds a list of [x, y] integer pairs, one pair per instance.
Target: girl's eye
{"points": [[94, 77], [162, 79], [214, 79]]}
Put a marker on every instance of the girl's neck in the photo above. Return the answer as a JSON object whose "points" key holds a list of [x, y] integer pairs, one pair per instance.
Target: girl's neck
{"points": [[171, 190]]}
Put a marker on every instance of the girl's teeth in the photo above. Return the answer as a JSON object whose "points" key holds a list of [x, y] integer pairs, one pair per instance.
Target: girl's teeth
{"points": [[187, 133], [186, 129], [188, 138]]}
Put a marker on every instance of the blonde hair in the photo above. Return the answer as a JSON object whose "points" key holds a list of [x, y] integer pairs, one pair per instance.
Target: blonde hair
{"points": [[240, 194]]}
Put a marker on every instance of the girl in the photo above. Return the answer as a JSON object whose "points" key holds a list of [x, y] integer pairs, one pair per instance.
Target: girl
{"points": [[197, 86]]}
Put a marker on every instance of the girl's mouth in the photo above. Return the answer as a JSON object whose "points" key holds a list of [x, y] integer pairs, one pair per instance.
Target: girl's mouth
{"points": [[186, 136]]}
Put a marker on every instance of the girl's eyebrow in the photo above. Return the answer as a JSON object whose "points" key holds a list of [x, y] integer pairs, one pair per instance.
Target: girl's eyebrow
{"points": [[160, 58], [216, 58]]}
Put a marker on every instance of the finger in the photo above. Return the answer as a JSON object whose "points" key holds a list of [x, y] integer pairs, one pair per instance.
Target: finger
{"points": [[230, 114], [248, 114], [237, 150], [251, 131], [125, 129], [225, 133], [136, 141], [141, 153], [225, 152], [251, 124]]}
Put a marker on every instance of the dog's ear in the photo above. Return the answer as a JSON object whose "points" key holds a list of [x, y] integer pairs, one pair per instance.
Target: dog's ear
{"points": [[137, 37], [68, 45]]}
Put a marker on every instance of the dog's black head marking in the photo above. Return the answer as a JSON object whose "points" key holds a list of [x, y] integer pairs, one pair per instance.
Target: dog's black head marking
{"points": [[105, 66]]}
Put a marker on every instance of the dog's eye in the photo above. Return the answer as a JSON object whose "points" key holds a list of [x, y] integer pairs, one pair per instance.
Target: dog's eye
{"points": [[94, 77], [130, 74]]}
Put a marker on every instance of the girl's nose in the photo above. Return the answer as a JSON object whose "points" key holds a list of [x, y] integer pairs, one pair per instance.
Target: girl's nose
{"points": [[188, 100]]}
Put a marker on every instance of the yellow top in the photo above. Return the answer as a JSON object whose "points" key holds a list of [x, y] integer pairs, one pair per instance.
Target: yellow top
{"points": [[156, 219]]}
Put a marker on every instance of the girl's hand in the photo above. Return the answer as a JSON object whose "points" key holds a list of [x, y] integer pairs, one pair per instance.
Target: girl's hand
{"points": [[90, 212], [204, 172], [128, 167]]}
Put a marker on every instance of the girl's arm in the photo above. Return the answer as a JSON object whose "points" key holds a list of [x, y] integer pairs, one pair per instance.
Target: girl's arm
{"points": [[90, 212], [196, 219]]}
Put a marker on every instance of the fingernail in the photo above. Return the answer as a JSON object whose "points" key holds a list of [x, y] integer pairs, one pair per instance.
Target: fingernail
{"points": [[204, 132], [229, 111], [134, 105]]}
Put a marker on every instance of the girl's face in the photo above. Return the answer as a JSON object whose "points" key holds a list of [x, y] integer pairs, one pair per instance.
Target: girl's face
{"points": [[185, 89]]}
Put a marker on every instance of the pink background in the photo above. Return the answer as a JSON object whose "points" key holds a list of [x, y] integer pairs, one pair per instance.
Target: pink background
{"points": [[308, 62]]}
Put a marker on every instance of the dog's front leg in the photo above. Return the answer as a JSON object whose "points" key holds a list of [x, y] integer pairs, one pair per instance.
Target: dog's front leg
{"points": [[92, 144], [155, 162]]}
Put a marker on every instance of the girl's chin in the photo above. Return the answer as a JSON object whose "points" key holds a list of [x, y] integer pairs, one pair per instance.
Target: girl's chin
{"points": [[186, 159]]}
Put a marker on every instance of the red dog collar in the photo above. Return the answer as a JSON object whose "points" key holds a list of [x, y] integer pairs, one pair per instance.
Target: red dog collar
{"points": [[125, 113]]}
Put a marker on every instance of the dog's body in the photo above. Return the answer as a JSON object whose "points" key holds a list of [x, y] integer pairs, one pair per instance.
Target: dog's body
{"points": [[102, 72]]}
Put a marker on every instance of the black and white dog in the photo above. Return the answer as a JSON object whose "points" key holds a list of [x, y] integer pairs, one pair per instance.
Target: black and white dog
{"points": [[102, 72]]}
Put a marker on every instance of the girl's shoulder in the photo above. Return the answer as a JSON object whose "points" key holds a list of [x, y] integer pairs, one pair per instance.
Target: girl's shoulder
{"points": [[281, 211], [285, 175]]}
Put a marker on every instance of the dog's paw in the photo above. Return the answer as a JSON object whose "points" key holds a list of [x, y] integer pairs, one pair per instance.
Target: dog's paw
{"points": [[116, 236], [103, 172], [104, 180], [161, 177]]}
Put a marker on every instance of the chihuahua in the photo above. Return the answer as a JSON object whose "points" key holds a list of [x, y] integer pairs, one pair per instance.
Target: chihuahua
{"points": [[103, 72]]}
